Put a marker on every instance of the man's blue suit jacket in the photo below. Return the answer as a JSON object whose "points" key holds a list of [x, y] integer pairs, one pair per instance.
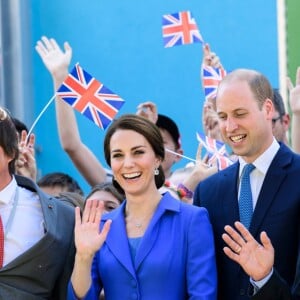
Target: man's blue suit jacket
{"points": [[277, 212], [175, 260]]}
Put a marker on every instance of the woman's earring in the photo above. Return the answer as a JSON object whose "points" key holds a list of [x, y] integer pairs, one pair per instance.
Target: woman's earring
{"points": [[156, 171]]}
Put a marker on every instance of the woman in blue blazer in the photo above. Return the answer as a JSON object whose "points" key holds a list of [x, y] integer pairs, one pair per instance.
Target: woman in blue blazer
{"points": [[151, 247]]}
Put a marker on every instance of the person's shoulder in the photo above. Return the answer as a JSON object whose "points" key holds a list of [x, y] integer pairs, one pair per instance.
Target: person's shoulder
{"points": [[61, 203], [191, 209], [286, 156], [220, 174], [191, 214], [26, 183]]}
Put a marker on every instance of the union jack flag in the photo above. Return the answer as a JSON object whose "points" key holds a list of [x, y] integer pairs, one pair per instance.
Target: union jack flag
{"points": [[216, 150], [180, 29], [90, 97], [211, 77]]}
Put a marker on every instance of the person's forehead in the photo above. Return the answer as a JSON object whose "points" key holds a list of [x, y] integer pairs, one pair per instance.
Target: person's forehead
{"points": [[235, 95], [166, 135], [104, 196], [128, 138]]}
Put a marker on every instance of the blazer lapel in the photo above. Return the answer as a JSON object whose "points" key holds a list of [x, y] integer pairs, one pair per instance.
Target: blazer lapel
{"points": [[150, 236], [117, 240], [275, 174]]}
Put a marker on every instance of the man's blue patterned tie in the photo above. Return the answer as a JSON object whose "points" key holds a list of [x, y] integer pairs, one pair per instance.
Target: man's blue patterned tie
{"points": [[245, 200]]}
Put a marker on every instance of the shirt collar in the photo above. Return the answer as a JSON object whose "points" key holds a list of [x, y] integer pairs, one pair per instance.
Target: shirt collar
{"points": [[263, 162], [7, 194]]}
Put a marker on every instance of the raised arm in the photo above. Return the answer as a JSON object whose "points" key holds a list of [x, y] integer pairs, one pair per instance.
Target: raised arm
{"points": [[88, 240], [57, 62]]}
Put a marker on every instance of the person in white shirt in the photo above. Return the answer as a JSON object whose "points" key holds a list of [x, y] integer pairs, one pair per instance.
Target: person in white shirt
{"points": [[36, 231]]}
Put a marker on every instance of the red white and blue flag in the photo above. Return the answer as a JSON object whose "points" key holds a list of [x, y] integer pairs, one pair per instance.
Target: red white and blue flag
{"points": [[180, 29], [90, 97], [216, 150], [211, 77]]}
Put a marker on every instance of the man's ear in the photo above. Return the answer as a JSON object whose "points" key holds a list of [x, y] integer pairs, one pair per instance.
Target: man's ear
{"points": [[286, 120], [269, 108]]}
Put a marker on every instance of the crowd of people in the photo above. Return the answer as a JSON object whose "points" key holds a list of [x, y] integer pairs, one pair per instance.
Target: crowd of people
{"points": [[148, 230]]}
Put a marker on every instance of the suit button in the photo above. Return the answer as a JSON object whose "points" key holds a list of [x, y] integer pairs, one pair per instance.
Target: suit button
{"points": [[242, 292]]}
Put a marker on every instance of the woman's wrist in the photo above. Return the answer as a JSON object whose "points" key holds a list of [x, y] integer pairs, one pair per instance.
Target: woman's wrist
{"points": [[184, 192]]}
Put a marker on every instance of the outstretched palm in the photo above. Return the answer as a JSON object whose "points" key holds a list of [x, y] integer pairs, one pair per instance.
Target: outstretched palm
{"points": [[256, 259], [88, 237], [55, 59]]}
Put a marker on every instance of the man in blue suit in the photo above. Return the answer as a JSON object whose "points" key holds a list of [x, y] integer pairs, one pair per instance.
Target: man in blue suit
{"points": [[245, 112]]}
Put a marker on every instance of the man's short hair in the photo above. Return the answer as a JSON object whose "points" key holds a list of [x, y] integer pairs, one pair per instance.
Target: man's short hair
{"points": [[278, 102], [62, 180], [8, 138]]}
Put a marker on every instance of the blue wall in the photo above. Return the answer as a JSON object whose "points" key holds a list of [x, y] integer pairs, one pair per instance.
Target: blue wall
{"points": [[120, 43]]}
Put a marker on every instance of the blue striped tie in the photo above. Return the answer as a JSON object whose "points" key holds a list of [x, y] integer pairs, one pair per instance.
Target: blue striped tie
{"points": [[245, 200]]}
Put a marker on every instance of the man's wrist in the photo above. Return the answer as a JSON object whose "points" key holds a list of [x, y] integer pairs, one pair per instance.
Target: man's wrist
{"points": [[258, 284]]}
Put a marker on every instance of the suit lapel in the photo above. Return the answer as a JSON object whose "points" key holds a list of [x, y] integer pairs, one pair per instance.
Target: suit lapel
{"points": [[272, 182], [229, 184], [48, 203]]}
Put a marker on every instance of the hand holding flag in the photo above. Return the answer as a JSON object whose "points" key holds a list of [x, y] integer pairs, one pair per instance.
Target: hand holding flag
{"points": [[212, 72], [216, 151]]}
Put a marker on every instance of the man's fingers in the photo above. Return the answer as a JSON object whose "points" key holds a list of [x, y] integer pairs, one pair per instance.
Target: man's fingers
{"points": [[244, 232], [234, 235], [231, 254], [266, 242], [234, 246]]}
